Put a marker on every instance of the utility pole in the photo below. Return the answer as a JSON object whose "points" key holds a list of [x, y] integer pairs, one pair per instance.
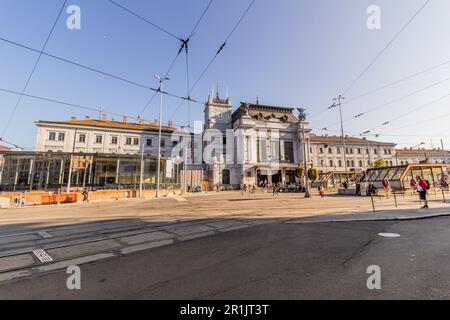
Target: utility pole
{"points": [[338, 103], [141, 180], [161, 81], [69, 178], [443, 151], [306, 163]]}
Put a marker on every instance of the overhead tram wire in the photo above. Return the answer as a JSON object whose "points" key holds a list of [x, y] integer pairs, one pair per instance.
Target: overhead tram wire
{"points": [[69, 104], [98, 71], [353, 83], [10, 143], [145, 20], [8, 122], [397, 81], [184, 44], [366, 69], [223, 45], [410, 112], [391, 102]]}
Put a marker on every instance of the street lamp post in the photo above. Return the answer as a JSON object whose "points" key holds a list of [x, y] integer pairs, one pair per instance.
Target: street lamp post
{"points": [[158, 177], [338, 103]]}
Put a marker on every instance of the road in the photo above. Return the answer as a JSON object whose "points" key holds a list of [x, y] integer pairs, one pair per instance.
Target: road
{"points": [[325, 260]]}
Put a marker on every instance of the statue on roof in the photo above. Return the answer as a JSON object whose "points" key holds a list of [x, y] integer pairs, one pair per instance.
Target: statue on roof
{"points": [[301, 114]]}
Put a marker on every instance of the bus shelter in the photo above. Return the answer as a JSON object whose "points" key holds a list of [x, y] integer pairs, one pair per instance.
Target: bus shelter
{"points": [[400, 176]]}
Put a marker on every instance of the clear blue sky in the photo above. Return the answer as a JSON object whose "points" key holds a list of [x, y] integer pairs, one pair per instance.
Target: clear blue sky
{"points": [[288, 52]]}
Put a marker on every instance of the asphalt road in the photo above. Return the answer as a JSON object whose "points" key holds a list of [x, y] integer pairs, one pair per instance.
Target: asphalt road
{"points": [[275, 261]]}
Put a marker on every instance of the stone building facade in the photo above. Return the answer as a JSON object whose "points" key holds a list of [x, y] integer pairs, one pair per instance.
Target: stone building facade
{"points": [[327, 153]]}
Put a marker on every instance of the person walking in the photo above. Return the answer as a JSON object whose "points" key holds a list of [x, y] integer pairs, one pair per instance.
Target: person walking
{"points": [[274, 189], [422, 187], [85, 195]]}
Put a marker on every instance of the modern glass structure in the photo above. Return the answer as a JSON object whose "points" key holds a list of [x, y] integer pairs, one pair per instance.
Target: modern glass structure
{"points": [[22, 171], [400, 176]]}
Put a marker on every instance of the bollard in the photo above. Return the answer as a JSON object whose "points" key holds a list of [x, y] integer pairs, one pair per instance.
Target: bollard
{"points": [[395, 199]]}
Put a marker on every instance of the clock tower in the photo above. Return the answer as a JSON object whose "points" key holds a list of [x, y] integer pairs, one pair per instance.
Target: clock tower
{"points": [[218, 113]]}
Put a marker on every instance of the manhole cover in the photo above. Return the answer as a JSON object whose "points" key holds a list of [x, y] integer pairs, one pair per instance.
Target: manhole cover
{"points": [[42, 256], [389, 235]]}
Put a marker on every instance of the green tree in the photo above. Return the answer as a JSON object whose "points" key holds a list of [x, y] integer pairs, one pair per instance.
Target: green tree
{"points": [[300, 170], [312, 174], [380, 163]]}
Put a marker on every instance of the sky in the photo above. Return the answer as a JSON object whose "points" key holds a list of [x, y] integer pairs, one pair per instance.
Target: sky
{"points": [[289, 53]]}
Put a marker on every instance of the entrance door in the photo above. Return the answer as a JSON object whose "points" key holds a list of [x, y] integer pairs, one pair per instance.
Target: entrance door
{"points": [[276, 178]]}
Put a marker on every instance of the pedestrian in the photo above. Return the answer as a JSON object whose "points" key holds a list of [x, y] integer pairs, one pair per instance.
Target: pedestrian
{"points": [[21, 201], [422, 187], [413, 183], [274, 189], [85, 195], [321, 192]]}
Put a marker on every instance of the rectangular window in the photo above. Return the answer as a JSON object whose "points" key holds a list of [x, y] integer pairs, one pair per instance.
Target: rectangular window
{"points": [[52, 136], [289, 151], [331, 163], [163, 143], [136, 141], [128, 141], [359, 150], [82, 138], [330, 151], [321, 150], [98, 139], [149, 142], [338, 150], [114, 140], [275, 150], [61, 136]]}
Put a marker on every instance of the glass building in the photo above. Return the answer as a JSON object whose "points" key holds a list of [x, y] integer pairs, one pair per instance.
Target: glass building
{"points": [[22, 171]]}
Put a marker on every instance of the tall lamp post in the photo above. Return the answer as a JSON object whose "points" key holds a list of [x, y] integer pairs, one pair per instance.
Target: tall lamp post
{"points": [[338, 104], [161, 81]]}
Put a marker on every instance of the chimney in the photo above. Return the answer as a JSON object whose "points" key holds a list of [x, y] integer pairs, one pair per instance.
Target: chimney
{"points": [[104, 117], [124, 119], [170, 124], [87, 118], [141, 122], [73, 118]]}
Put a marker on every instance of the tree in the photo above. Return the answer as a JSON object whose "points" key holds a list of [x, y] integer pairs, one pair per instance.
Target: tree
{"points": [[300, 172], [380, 163], [312, 174]]}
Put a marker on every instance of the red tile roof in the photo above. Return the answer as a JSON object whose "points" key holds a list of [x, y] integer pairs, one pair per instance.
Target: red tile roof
{"points": [[112, 125]]}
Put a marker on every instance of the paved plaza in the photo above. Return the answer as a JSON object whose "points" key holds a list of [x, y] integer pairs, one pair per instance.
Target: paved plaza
{"points": [[84, 233]]}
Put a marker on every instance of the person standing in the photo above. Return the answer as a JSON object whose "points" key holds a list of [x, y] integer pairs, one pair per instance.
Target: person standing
{"points": [[321, 191], [422, 187]]}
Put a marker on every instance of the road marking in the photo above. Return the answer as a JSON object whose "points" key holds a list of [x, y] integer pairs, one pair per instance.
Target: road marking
{"points": [[45, 235], [42, 256], [389, 235]]}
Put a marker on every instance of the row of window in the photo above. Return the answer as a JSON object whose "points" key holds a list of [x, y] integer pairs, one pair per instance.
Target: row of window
{"points": [[54, 136], [350, 163], [351, 151]]}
